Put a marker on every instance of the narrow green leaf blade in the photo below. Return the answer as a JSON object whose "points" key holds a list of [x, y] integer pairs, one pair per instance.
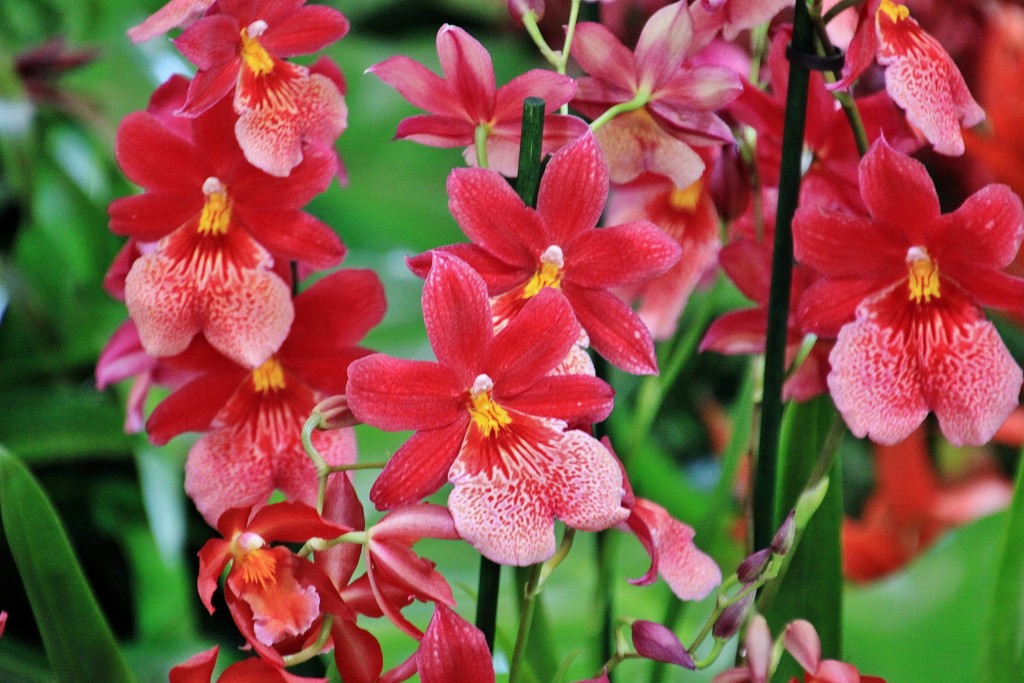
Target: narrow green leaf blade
{"points": [[77, 638], [812, 588], [1002, 659]]}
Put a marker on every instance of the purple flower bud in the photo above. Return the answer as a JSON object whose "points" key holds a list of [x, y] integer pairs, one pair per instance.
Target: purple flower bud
{"points": [[754, 565], [731, 618], [659, 643], [782, 542]]}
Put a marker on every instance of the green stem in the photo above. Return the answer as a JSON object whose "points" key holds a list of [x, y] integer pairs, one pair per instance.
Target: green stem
{"points": [[488, 583], [639, 101], [480, 140], [322, 468], [526, 610], [530, 24], [307, 653], [845, 99], [838, 8], [764, 515]]}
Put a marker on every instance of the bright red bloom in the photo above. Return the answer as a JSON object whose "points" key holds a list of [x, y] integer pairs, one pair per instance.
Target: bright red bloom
{"points": [[219, 223], [277, 599], [688, 216], [281, 105], [679, 100], [199, 669], [521, 251], [491, 420], [902, 289], [920, 76], [466, 100], [255, 416]]}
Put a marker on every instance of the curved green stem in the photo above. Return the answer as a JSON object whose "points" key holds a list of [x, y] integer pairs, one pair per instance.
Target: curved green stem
{"points": [[480, 141], [322, 468], [639, 101], [307, 653]]}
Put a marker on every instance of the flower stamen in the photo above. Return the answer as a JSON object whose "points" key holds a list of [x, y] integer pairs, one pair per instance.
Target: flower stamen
{"points": [[268, 377], [685, 198], [488, 416], [894, 10], [215, 218], [552, 261], [923, 278], [253, 54]]}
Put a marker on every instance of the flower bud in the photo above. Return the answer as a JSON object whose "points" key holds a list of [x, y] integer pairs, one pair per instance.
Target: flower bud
{"points": [[782, 542], [659, 643], [754, 565], [731, 619], [729, 183], [334, 413]]}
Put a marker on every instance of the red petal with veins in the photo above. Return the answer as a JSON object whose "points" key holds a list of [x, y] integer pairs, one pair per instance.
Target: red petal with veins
{"points": [[572, 398], [621, 255], [437, 131], [616, 332], [494, 217], [452, 649], [467, 67], [842, 245], [174, 14], [150, 216], [307, 29], [456, 316], [141, 138], [211, 43], [357, 653], [420, 467], [994, 218], [394, 394], [827, 305], [737, 332], [601, 55], [294, 235], [898, 190], [193, 407], [418, 84], [573, 191], [555, 89]]}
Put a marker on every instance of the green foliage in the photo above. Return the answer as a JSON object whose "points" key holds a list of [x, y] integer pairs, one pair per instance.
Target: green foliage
{"points": [[78, 640]]}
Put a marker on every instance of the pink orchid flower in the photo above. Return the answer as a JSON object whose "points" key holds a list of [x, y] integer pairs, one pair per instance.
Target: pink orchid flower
{"points": [[678, 101], [174, 14], [282, 106], [254, 417], [732, 16], [218, 224], [466, 102], [490, 419], [520, 251], [903, 290], [920, 76]]}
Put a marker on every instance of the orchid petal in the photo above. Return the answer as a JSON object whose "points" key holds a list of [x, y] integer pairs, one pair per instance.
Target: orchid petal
{"points": [[601, 55], [621, 255], [394, 394], [468, 69], [616, 332], [456, 315], [420, 466], [217, 479], [573, 190], [663, 44]]}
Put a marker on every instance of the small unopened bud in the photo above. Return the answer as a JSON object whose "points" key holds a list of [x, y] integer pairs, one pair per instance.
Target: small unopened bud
{"points": [[732, 618], [754, 565], [334, 413], [782, 542], [729, 183], [659, 643]]}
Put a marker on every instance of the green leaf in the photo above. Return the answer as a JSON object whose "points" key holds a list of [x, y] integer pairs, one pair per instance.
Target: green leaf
{"points": [[812, 587], [1002, 657], [78, 640]]}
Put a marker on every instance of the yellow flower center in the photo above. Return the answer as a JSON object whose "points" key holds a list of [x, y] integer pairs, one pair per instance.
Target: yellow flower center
{"points": [[268, 377], [215, 219], [548, 275], [253, 54], [685, 199], [256, 564], [923, 278], [894, 10], [488, 416]]}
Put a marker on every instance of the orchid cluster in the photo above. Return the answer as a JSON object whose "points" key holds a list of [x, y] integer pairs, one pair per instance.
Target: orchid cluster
{"points": [[652, 152]]}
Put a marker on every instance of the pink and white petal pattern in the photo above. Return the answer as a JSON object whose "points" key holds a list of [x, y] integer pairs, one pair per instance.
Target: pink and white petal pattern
{"points": [[216, 480]]}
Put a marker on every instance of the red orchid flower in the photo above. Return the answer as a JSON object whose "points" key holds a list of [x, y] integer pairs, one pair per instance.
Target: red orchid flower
{"points": [[688, 216], [452, 649], [920, 76], [276, 598], [255, 416], [218, 223], [490, 419], [520, 251], [466, 102], [678, 100], [903, 290], [199, 669], [241, 46], [831, 176]]}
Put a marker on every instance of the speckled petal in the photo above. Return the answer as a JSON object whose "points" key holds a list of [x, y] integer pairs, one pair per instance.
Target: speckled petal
{"points": [[247, 317], [222, 472], [162, 301]]}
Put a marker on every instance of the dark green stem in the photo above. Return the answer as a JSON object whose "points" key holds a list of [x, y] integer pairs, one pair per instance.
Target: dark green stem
{"points": [[764, 516], [527, 185]]}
